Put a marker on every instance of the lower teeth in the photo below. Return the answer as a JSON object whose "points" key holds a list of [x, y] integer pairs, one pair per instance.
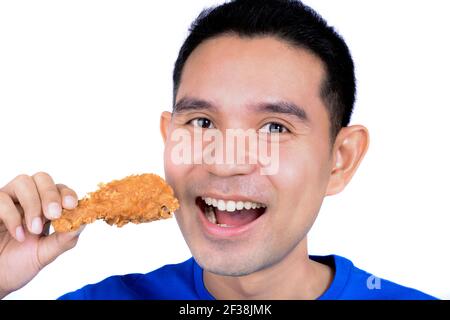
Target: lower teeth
{"points": [[211, 216], [224, 226]]}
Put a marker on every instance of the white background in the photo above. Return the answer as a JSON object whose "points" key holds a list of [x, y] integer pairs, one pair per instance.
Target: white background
{"points": [[82, 85]]}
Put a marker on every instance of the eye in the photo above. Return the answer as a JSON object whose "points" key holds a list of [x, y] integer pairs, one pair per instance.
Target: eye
{"points": [[274, 127], [203, 123]]}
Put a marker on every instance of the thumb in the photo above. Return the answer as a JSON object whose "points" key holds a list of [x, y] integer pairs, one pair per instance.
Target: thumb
{"points": [[56, 244]]}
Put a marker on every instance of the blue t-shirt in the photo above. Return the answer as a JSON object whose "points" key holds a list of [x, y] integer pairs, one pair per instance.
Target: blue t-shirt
{"points": [[184, 281]]}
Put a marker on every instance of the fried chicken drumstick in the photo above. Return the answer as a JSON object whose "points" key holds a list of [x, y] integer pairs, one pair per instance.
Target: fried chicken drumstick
{"points": [[136, 198]]}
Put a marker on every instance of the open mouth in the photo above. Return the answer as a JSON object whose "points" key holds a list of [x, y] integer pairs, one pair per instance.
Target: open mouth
{"points": [[230, 213]]}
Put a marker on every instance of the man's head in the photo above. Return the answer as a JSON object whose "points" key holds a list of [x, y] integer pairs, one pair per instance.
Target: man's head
{"points": [[293, 23], [272, 66]]}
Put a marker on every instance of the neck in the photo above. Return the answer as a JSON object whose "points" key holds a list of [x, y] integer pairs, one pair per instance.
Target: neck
{"points": [[294, 277]]}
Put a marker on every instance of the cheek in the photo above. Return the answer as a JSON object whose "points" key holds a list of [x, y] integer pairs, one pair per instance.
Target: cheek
{"points": [[301, 180], [296, 167], [175, 173]]}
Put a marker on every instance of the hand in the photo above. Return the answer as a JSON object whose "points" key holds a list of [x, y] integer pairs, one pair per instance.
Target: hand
{"points": [[27, 204]]}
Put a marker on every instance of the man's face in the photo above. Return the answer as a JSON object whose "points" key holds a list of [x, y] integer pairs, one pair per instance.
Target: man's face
{"points": [[235, 76]]}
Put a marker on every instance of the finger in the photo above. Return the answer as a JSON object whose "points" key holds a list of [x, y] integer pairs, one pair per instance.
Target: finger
{"points": [[49, 194], [56, 244], [69, 197], [11, 218], [26, 194]]}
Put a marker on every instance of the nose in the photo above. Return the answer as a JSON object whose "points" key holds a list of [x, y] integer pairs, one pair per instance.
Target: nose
{"points": [[230, 169], [233, 160], [230, 153]]}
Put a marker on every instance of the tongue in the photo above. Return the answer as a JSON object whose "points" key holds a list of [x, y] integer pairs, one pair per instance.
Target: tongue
{"points": [[238, 217]]}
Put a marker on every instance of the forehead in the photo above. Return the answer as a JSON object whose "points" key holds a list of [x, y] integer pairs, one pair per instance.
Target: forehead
{"points": [[230, 70]]}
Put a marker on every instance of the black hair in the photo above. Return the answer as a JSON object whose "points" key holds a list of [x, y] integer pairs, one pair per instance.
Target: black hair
{"points": [[293, 22]]}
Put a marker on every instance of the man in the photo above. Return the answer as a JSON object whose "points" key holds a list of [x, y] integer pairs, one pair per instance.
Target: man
{"points": [[271, 67]]}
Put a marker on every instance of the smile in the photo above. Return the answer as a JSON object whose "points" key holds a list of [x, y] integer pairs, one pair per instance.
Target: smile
{"points": [[229, 217]]}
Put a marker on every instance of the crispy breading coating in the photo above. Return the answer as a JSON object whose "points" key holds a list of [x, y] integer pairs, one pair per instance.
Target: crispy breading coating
{"points": [[136, 198]]}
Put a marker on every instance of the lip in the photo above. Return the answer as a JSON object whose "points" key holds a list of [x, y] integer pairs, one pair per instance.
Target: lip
{"points": [[215, 231]]}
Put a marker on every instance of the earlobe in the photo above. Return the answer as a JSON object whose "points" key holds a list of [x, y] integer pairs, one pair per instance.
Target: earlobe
{"points": [[164, 124], [350, 148]]}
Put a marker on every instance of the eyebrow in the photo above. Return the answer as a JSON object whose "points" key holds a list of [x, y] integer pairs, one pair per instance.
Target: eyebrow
{"points": [[284, 107], [186, 104]]}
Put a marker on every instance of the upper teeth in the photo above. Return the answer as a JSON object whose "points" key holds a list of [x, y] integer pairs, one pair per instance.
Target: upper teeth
{"points": [[230, 205]]}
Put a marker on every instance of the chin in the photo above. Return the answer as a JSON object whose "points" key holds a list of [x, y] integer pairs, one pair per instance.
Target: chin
{"points": [[225, 263]]}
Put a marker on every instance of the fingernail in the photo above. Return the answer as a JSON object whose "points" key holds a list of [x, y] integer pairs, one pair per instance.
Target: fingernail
{"points": [[20, 234], [54, 210], [36, 225], [70, 202]]}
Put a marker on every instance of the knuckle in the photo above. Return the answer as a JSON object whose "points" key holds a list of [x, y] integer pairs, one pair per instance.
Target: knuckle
{"points": [[22, 178], [68, 244], [32, 209], [41, 174], [64, 188], [50, 193], [72, 243], [3, 196], [6, 214], [3, 207], [69, 192], [66, 191], [4, 202]]}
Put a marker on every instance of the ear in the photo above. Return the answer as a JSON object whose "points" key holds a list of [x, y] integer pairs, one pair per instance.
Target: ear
{"points": [[164, 123], [349, 149]]}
